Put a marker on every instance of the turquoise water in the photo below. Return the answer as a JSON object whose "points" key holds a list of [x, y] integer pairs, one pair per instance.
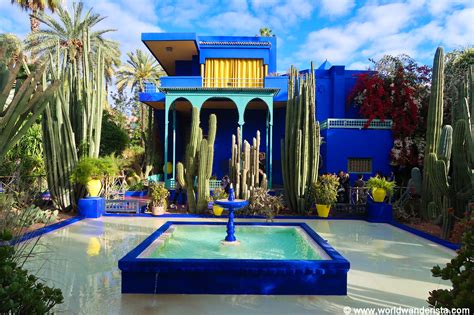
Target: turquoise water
{"points": [[256, 242]]}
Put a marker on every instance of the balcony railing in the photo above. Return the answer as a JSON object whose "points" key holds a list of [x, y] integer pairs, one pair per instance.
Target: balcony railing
{"points": [[356, 123], [233, 82]]}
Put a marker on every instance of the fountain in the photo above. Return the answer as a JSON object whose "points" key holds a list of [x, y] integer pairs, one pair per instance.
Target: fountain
{"points": [[273, 258], [231, 204]]}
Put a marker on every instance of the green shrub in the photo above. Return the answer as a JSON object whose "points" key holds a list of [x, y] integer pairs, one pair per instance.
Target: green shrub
{"points": [[137, 186], [262, 203], [377, 182], [158, 194], [324, 191], [113, 139], [218, 193], [20, 292], [460, 271], [93, 168]]}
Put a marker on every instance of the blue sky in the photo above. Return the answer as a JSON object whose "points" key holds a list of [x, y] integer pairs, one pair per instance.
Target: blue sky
{"points": [[346, 32]]}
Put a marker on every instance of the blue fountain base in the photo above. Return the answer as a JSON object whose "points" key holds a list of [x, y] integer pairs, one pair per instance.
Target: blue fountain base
{"points": [[234, 276]]}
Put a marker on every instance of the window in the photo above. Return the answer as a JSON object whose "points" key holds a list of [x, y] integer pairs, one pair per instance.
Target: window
{"points": [[359, 165]]}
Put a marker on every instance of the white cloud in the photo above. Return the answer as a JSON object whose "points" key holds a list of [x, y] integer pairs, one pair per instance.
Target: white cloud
{"points": [[336, 7], [392, 28], [237, 23], [129, 19]]}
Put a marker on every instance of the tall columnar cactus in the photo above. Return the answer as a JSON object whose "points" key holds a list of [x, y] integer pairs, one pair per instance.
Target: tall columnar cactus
{"points": [[300, 147], [20, 109], [442, 192], [199, 161], [72, 121], [463, 148], [434, 125], [244, 166]]}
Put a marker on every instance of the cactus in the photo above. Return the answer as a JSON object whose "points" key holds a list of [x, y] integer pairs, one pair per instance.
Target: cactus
{"points": [[199, 161], [244, 166], [21, 103], [463, 149], [300, 147], [434, 124], [72, 121], [442, 193]]}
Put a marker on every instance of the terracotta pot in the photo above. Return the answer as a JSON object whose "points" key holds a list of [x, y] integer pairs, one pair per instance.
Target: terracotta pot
{"points": [[379, 194], [323, 210], [93, 187]]}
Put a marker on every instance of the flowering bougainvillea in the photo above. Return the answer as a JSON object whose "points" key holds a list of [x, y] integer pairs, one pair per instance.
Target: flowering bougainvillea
{"points": [[398, 89]]}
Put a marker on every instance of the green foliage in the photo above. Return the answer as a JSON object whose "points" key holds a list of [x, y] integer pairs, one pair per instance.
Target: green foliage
{"points": [[12, 45], [378, 182], [25, 158], [218, 193], [114, 139], [262, 203], [460, 271], [20, 105], [324, 191], [93, 168], [67, 28], [159, 194], [457, 65], [21, 293], [137, 186]]}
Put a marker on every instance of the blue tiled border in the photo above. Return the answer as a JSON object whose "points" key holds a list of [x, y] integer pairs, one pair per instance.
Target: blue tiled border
{"points": [[45, 229], [234, 276]]}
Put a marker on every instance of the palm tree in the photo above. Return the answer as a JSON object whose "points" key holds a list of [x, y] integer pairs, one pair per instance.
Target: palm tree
{"points": [[140, 69], [68, 32], [266, 32], [36, 6]]}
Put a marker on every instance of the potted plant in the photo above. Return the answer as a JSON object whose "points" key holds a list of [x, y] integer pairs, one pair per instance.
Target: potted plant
{"points": [[262, 203], [323, 193], [159, 197], [380, 187], [90, 171], [217, 194]]}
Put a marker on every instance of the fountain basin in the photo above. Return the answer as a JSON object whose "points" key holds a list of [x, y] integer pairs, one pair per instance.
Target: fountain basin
{"points": [[273, 258]]}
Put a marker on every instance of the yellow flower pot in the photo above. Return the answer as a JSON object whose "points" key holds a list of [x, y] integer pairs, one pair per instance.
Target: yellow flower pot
{"points": [[93, 187], [379, 194], [217, 210], [93, 248], [323, 210]]}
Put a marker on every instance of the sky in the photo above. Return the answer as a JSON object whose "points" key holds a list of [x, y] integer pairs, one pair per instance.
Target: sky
{"points": [[345, 32]]}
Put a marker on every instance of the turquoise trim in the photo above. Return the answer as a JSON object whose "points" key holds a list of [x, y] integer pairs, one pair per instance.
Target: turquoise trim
{"points": [[241, 97]]}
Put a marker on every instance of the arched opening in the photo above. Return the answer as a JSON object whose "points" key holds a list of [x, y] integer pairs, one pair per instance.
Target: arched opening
{"points": [[179, 126], [257, 117], [227, 123]]}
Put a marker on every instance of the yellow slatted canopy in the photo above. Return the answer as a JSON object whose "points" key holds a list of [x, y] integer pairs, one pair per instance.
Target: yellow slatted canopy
{"points": [[234, 72]]}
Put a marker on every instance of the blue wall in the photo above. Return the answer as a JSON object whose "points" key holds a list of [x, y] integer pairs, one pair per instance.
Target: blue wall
{"points": [[341, 144]]}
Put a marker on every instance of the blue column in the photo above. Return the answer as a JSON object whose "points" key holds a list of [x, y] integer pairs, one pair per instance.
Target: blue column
{"points": [[174, 141], [165, 154]]}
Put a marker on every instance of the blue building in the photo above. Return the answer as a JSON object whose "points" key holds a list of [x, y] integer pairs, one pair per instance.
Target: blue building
{"points": [[235, 78]]}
